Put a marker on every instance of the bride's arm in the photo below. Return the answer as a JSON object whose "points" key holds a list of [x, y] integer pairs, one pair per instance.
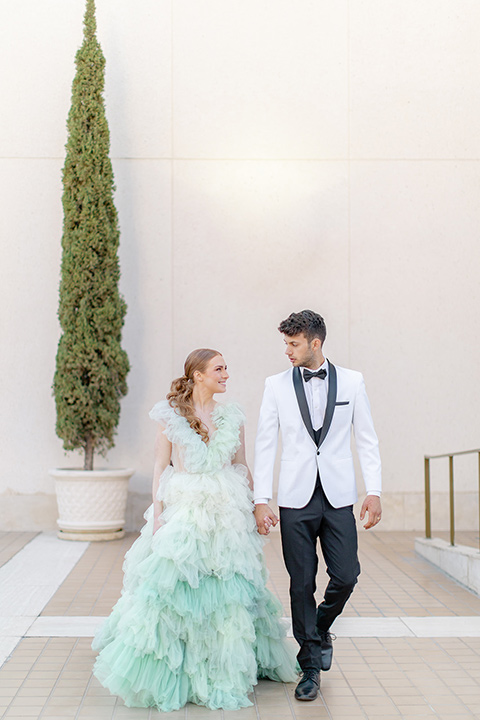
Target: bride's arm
{"points": [[241, 457], [163, 454]]}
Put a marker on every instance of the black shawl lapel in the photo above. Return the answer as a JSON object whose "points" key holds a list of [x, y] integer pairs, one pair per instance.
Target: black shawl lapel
{"points": [[331, 400], [302, 401]]}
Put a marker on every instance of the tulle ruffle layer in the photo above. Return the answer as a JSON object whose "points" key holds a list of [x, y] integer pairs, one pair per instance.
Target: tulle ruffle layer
{"points": [[206, 645], [195, 622]]}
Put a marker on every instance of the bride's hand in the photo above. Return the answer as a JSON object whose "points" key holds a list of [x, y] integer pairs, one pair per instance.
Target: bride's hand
{"points": [[265, 518]]}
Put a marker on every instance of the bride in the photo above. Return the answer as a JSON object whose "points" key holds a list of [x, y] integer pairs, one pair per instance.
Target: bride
{"points": [[195, 622]]}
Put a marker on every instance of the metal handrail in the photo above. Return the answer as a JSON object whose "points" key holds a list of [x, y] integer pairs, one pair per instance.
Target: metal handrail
{"points": [[428, 512]]}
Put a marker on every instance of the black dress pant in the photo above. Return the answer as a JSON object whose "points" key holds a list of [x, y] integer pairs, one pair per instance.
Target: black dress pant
{"points": [[337, 532]]}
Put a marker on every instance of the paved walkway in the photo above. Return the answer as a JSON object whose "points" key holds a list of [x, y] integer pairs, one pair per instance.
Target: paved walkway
{"points": [[408, 644]]}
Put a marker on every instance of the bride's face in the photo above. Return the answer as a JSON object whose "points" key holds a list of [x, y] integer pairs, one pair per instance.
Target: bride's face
{"points": [[215, 375]]}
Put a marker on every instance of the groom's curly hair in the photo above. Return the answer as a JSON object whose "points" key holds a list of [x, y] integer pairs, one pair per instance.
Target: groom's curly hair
{"points": [[310, 323]]}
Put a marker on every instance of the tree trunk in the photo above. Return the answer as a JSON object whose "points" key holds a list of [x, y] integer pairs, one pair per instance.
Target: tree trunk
{"points": [[88, 465]]}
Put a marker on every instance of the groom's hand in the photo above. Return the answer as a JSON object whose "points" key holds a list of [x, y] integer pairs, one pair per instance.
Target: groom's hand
{"points": [[373, 506], [265, 518]]}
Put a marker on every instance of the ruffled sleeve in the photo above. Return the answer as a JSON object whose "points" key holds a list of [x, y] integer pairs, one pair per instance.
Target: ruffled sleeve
{"points": [[175, 426], [161, 412]]}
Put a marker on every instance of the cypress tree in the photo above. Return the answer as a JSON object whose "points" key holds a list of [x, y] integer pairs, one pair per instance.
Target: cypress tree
{"points": [[91, 367]]}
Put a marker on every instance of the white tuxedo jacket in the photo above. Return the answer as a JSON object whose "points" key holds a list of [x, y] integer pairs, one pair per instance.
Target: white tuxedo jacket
{"points": [[284, 407]]}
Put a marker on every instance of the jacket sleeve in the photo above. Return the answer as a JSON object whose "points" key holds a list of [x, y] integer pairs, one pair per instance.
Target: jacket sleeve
{"points": [[366, 441], [266, 445]]}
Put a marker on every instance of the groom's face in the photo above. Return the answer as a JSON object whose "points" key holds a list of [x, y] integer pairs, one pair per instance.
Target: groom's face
{"points": [[299, 351]]}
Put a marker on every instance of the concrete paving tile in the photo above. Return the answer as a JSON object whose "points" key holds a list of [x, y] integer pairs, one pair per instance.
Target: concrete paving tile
{"points": [[97, 692], [32, 682], [43, 675], [273, 706], [468, 694], [55, 668], [275, 715], [358, 670], [274, 698], [28, 701], [360, 715], [376, 702], [13, 675], [22, 712], [453, 676], [64, 703], [16, 665], [370, 683], [61, 691], [413, 697], [99, 701], [391, 684], [10, 683], [413, 709], [441, 696], [340, 695], [37, 692], [307, 707], [335, 710], [451, 711], [123, 713], [369, 692], [72, 675]]}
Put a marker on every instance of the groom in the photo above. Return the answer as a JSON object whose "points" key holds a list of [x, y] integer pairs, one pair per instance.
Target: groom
{"points": [[315, 405]]}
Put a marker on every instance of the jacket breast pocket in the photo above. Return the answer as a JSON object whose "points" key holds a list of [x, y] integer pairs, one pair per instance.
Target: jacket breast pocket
{"points": [[342, 402]]}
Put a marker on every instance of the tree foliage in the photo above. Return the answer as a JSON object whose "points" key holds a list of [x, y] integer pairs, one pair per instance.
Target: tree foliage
{"points": [[91, 367]]}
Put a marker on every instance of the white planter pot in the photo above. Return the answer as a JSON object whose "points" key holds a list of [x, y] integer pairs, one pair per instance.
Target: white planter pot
{"points": [[91, 503]]}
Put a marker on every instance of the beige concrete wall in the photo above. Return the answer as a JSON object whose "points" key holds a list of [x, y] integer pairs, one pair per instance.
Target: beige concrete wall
{"points": [[269, 156]]}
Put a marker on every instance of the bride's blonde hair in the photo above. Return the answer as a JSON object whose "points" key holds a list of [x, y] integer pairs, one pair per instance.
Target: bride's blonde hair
{"points": [[181, 389]]}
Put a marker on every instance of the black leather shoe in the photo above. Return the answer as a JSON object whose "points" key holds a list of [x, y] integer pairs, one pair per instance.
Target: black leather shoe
{"points": [[327, 649], [309, 685]]}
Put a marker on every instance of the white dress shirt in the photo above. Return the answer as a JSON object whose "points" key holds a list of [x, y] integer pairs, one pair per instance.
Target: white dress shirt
{"points": [[316, 390]]}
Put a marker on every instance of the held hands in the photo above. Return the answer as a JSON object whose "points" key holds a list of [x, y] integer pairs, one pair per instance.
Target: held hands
{"points": [[372, 505], [265, 518]]}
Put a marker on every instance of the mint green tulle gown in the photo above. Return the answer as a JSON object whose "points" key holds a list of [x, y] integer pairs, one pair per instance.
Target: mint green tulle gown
{"points": [[195, 622]]}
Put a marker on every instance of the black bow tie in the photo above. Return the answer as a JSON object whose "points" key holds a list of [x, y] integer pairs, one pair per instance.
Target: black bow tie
{"points": [[308, 374]]}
